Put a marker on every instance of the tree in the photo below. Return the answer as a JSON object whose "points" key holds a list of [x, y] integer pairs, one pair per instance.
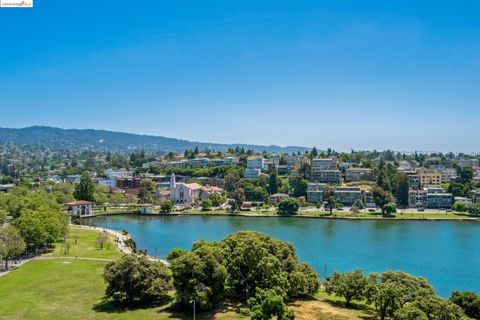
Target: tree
{"points": [[101, 239], [299, 186], [238, 196], [85, 189], [273, 181], [459, 207], [350, 285], [198, 275], [166, 206], [288, 206], [457, 189], [403, 188], [206, 205], [359, 204], [468, 301], [329, 198], [217, 199], [147, 190], [255, 260], [3, 216], [11, 243], [305, 170], [381, 197], [465, 175], [135, 278], [390, 208], [391, 290], [268, 304]]}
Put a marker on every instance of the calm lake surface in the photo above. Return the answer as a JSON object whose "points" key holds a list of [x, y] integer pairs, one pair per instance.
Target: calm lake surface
{"points": [[446, 253]]}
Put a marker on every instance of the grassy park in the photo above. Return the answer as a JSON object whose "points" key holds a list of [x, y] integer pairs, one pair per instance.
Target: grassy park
{"points": [[57, 286]]}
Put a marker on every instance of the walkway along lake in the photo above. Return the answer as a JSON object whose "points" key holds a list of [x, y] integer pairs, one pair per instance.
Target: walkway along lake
{"points": [[447, 253]]}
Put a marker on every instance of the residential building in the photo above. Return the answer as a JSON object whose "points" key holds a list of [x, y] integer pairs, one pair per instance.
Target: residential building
{"points": [[327, 176], [476, 196], [439, 200], [277, 197], [113, 174], [315, 192], [72, 178], [464, 200], [347, 195], [109, 183], [429, 177], [368, 200], [463, 163], [358, 174], [417, 198], [324, 164], [255, 162], [284, 169], [251, 173], [189, 193], [80, 208], [414, 180]]}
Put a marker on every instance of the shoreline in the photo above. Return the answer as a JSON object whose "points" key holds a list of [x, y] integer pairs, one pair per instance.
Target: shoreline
{"points": [[303, 216]]}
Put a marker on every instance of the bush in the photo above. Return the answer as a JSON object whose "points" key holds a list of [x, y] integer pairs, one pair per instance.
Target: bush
{"points": [[288, 206], [459, 207], [166, 206], [390, 208], [206, 205]]}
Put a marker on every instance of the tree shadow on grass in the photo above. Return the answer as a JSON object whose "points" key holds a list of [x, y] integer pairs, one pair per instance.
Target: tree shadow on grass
{"points": [[368, 310], [115, 306]]}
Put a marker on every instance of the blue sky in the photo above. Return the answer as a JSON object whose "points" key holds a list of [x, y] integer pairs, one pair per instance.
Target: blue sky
{"points": [[403, 75]]}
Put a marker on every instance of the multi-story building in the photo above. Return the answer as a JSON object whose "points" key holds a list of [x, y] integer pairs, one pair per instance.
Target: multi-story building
{"points": [[414, 180], [439, 200], [347, 195], [251, 173], [368, 200], [315, 192], [358, 174], [109, 183], [429, 177], [464, 200], [324, 164], [255, 165], [327, 176], [255, 162], [417, 198], [476, 196], [462, 163]]}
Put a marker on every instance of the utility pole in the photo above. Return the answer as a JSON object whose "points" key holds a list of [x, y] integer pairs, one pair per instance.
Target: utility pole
{"points": [[155, 254], [193, 301], [325, 271]]}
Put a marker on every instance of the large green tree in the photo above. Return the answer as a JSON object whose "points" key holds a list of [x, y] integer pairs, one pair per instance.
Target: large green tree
{"points": [[85, 189], [349, 285], [11, 243], [198, 275], [136, 279]]}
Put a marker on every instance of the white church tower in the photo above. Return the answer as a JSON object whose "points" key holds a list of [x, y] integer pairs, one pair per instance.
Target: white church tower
{"points": [[173, 184]]}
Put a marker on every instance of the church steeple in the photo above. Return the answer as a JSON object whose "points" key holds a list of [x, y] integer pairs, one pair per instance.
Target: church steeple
{"points": [[173, 183]]}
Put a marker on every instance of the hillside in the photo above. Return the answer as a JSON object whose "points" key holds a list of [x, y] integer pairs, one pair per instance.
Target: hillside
{"points": [[89, 139]]}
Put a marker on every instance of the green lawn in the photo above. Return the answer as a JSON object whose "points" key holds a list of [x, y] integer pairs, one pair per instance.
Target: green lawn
{"points": [[73, 289], [85, 246]]}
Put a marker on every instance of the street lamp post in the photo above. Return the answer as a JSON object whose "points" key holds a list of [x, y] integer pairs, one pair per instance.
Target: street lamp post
{"points": [[193, 301]]}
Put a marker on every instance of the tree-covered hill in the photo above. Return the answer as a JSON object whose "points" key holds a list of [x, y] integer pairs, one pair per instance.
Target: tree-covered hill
{"points": [[56, 138]]}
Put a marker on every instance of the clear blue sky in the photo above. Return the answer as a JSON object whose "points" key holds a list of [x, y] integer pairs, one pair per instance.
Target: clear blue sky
{"points": [[403, 75]]}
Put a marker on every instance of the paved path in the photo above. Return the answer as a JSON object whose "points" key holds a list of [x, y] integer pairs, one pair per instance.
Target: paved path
{"points": [[121, 238]]}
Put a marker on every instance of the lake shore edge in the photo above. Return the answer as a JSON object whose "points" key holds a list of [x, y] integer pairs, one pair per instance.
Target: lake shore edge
{"points": [[304, 216]]}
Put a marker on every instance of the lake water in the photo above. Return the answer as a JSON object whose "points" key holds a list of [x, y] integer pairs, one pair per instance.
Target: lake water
{"points": [[447, 253]]}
